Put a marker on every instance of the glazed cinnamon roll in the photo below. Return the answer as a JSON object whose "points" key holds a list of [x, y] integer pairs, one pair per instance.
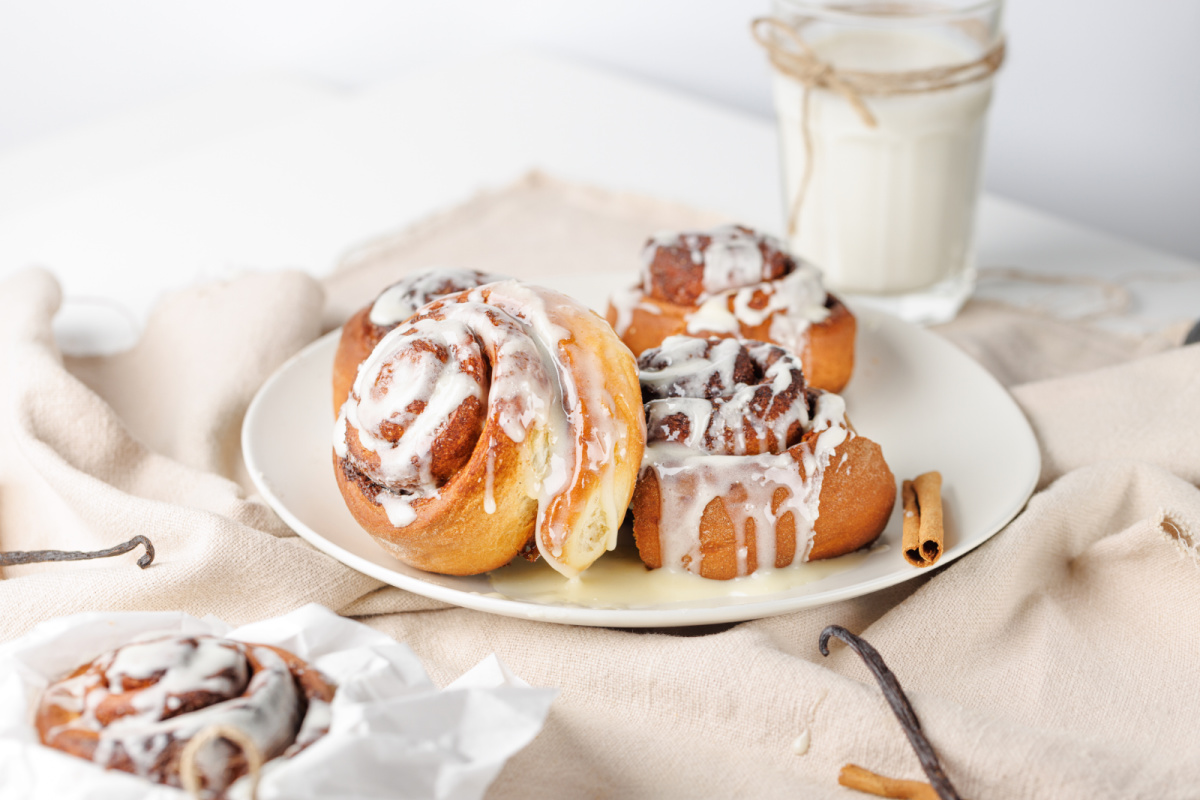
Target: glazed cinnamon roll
{"points": [[136, 708], [498, 421], [747, 468], [735, 282], [394, 304]]}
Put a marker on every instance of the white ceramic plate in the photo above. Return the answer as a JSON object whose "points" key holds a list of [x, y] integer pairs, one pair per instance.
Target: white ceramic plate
{"points": [[927, 404]]}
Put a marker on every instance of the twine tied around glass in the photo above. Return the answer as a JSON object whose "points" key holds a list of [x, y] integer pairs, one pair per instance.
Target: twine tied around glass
{"points": [[794, 58]]}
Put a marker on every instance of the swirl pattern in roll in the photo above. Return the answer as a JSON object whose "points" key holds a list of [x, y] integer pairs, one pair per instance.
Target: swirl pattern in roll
{"points": [[495, 421], [746, 468], [733, 281], [391, 307], [135, 708]]}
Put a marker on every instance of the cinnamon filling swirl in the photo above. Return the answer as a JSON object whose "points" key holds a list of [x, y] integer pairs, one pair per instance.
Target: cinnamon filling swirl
{"points": [[506, 400], [738, 452], [135, 708], [733, 281]]}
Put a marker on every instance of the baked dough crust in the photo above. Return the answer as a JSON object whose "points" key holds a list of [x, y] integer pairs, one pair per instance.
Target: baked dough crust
{"points": [[557, 488]]}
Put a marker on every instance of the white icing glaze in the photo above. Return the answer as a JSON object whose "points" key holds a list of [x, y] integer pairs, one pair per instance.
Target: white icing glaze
{"points": [[793, 303], [583, 445], [732, 258], [694, 469], [339, 437], [418, 375], [735, 297], [317, 719], [402, 299], [266, 706], [676, 379], [688, 481], [415, 378]]}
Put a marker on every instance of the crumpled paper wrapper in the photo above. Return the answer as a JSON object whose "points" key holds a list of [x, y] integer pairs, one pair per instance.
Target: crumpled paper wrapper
{"points": [[393, 733]]}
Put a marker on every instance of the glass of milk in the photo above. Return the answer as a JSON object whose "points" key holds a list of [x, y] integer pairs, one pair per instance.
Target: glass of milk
{"points": [[888, 211]]}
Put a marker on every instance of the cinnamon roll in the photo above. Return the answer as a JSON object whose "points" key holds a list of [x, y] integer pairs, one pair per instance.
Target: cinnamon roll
{"points": [[135, 708], [394, 304], [747, 468], [502, 420], [735, 282]]}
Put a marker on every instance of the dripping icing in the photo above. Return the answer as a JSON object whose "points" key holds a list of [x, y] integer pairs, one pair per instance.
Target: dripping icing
{"points": [[689, 475], [532, 393]]}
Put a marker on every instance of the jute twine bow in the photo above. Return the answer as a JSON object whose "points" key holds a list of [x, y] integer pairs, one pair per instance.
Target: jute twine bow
{"points": [[189, 772], [790, 55]]}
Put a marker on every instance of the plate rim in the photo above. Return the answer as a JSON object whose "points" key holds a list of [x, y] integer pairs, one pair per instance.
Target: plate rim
{"points": [[623, 617]]}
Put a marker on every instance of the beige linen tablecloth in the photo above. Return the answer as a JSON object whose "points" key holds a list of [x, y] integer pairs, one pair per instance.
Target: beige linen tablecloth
{"points": [[1059, 660]]}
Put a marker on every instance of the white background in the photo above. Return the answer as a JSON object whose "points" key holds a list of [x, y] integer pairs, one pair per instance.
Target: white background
{"points": [[1097, 115]]}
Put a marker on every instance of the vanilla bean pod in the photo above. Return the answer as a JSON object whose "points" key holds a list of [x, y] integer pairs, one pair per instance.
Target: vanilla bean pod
{"points": [[900, 706], [38, 556]]}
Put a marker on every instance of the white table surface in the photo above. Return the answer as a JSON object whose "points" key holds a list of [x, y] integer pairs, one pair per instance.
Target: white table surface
{"points": [[273, 173]]}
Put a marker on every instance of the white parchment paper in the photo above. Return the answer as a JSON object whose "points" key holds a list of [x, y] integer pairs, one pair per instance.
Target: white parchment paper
{"points": [[393, 733]]}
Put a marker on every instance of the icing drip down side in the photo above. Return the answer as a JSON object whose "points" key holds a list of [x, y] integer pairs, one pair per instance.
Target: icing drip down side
{"points": [[724, 396], [482, 364], [450, 366], [791, 303], [734, 420]]}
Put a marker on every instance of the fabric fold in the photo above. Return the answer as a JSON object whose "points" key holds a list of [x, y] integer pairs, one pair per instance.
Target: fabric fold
{"points": [[1055, 661], [76, 477], [1050, 662], [1143, 409]]}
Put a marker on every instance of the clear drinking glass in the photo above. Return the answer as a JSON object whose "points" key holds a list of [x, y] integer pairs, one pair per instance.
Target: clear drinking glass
{"points": [[887, 210]]}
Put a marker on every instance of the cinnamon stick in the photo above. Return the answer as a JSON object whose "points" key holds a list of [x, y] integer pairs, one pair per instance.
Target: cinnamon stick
{"points": [[924, 531], [855, 777], [911, 535]]}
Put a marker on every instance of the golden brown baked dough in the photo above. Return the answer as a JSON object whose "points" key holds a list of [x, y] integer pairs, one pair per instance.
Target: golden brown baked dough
{"points": [[746, 467], [493, 417], [135, 708], [736, 282]]}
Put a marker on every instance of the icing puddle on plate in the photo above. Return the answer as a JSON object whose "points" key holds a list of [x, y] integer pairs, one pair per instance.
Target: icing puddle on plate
{"points": [[620, 580]]}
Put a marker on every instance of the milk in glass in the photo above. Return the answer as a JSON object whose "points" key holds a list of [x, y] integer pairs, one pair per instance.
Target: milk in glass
{"points": [[888, 209]]}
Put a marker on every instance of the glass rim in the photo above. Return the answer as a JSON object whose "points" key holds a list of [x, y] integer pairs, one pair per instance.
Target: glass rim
{"points": [[890, 11]]}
